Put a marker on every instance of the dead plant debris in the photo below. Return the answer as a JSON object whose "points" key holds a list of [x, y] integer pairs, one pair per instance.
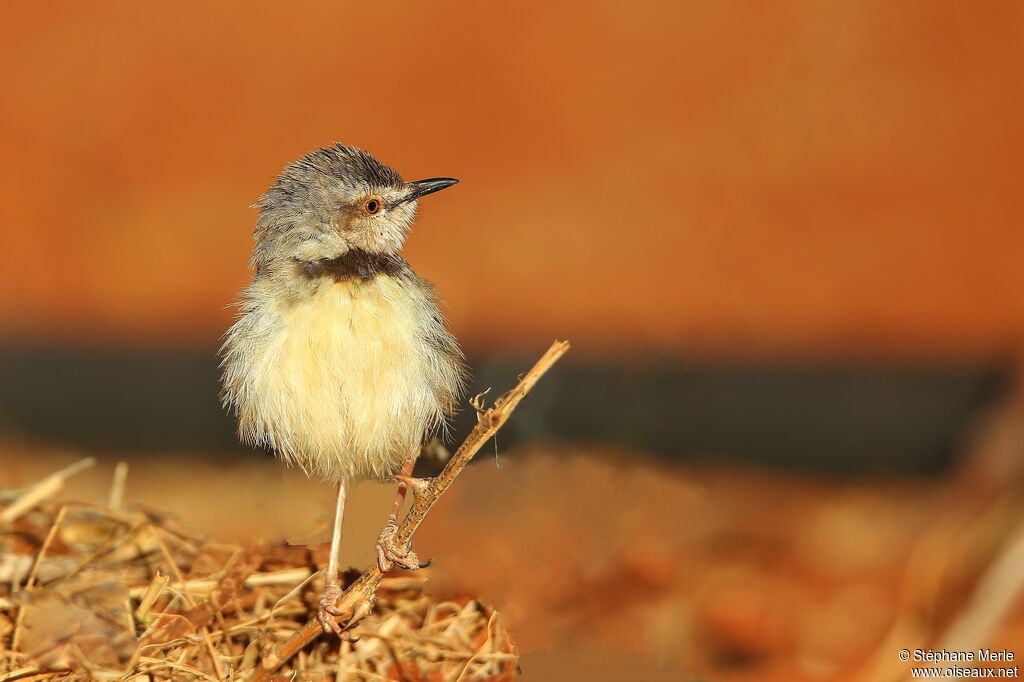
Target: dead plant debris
{"points": [[92, 592]]}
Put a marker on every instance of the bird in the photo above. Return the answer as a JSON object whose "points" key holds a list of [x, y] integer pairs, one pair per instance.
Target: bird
{"points": [[340, 361]]}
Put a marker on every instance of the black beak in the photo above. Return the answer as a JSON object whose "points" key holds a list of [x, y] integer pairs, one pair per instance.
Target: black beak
{"points": [[421, 188]]}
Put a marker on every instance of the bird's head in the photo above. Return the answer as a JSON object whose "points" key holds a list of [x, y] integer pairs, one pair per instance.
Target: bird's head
{"points": [[332, 201]]}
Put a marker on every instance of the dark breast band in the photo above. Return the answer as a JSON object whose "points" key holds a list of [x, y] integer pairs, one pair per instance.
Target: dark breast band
{"points": [[355, 263]]}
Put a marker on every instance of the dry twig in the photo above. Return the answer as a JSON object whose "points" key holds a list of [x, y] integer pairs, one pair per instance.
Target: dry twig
{"points": [[44, 489], [358, 599]]}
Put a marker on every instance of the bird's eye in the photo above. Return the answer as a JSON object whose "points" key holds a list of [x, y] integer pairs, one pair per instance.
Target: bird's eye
{"points": [[373, 206]]}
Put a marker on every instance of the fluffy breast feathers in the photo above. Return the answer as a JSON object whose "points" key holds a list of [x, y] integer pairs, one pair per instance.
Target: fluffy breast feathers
{"points": [[344, 380]]}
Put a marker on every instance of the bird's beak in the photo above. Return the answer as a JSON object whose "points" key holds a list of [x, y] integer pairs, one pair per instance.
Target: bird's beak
{"points": [[421, 188]]}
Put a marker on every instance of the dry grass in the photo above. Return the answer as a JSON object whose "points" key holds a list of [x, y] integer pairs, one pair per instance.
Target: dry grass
{"points": [[91, 591]]}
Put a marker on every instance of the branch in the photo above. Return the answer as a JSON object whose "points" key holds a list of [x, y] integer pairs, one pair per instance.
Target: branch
{"points": [[357, 600]]}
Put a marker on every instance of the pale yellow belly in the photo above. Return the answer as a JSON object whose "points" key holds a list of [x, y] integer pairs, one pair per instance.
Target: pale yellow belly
{"points": [[344, 387]]}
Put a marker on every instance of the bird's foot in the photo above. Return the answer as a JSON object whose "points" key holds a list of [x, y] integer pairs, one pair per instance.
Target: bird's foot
{"points": [[389, 554], [327, 610], [416, 485]]}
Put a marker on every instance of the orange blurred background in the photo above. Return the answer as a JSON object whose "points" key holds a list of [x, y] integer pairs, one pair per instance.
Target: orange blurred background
{"points": [[792, 177], [778, 184]]}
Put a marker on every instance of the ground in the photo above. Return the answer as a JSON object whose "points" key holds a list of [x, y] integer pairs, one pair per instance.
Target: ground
{"points": [[614, 565]]}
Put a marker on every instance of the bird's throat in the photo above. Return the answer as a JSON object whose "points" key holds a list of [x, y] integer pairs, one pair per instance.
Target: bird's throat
{"points": [[355, 263]]}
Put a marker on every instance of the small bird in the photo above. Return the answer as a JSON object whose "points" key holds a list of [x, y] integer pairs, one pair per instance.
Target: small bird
{"points": [[340, 361]]}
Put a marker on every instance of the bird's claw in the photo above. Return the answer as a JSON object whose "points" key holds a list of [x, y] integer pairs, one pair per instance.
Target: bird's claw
{"points": [[327, 611], [416, 485], [389, 554]]}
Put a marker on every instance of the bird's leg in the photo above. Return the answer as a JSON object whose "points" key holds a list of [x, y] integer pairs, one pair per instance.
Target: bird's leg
{"points": [[388, 553], [332, 581]]}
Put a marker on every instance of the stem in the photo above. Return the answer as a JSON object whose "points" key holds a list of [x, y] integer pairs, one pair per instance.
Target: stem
{"points": [[358, 599]]}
